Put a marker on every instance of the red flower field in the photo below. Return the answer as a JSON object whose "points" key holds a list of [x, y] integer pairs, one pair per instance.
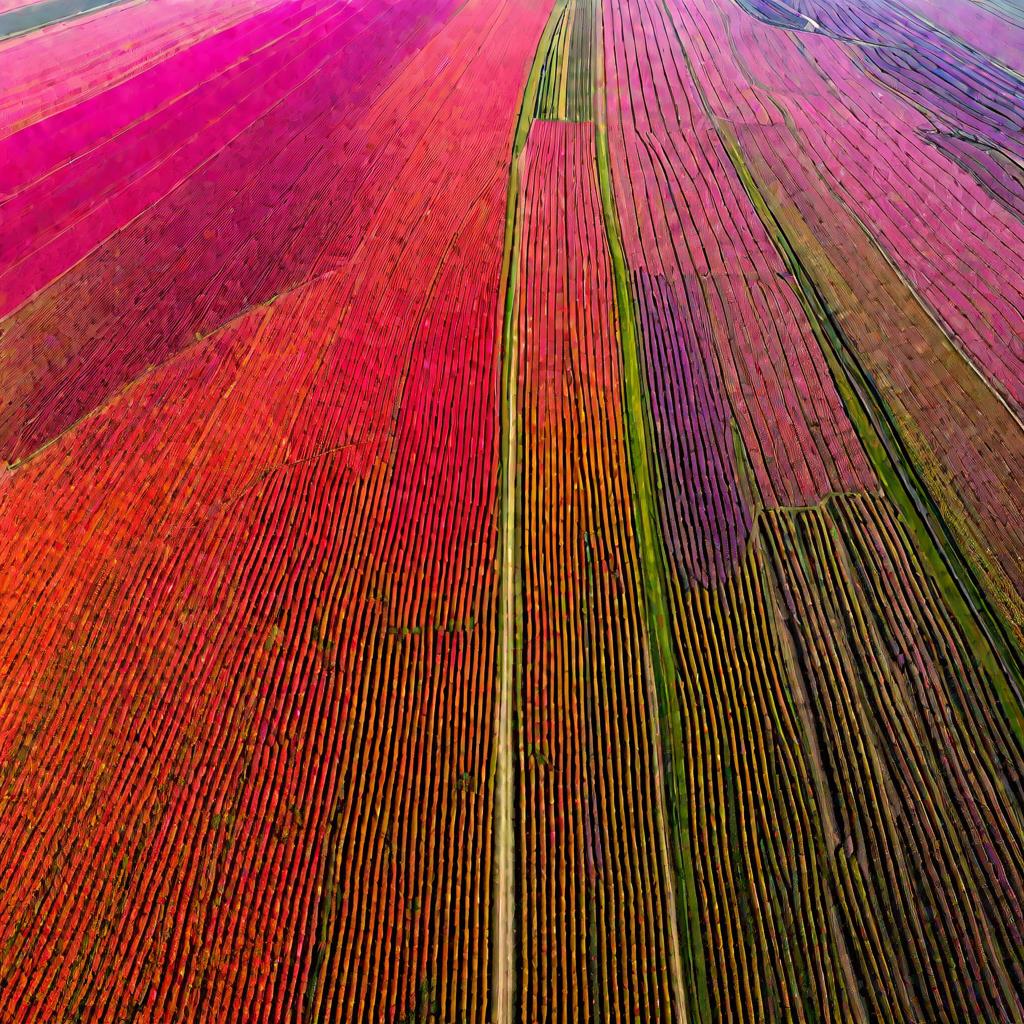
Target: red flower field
{"points": [[512, 512]]}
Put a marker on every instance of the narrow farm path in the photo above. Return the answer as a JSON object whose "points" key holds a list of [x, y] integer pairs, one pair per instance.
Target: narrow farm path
{"points": [[503, 944]]}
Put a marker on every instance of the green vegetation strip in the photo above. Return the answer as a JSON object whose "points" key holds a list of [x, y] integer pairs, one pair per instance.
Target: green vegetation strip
{"points": [[503, 940], [987, 634], [664, 665]]}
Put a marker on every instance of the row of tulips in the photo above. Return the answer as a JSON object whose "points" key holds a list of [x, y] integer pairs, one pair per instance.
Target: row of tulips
{"points": [[249, 635]]}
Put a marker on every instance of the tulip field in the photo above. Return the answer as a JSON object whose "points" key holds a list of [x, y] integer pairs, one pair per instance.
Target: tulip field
{"points": [[512, 512]]}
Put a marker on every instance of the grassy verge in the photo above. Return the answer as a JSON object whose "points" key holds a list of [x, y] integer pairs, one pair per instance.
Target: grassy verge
{"points": [[695, 1000], [503, 946], [989, 637]]}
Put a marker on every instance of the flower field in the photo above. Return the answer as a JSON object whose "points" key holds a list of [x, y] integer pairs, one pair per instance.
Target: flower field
{"points": [[512, 512]]}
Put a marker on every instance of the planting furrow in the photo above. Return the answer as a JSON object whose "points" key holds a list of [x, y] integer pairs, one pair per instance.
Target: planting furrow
{"points": [[906, 724], [512, 510], [566, 84], [54, 70], [900, 908], [684, 216], [246, 749], [593, 900], [760, 840]]}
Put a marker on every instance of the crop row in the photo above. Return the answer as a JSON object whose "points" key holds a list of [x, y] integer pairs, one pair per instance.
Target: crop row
{"points": [[593, 896], [763, 899], [965, 440], [936, 71], [56, 68], [685, 215], [921, 771], [997, 31], [704, 515], [566, 85], [846, 784], [954, 237], [223, 240], [253, 604], [813, 156], [249, 623]]}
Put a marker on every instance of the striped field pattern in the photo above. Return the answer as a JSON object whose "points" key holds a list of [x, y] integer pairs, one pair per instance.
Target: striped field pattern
{"points": [[512, 511]]}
